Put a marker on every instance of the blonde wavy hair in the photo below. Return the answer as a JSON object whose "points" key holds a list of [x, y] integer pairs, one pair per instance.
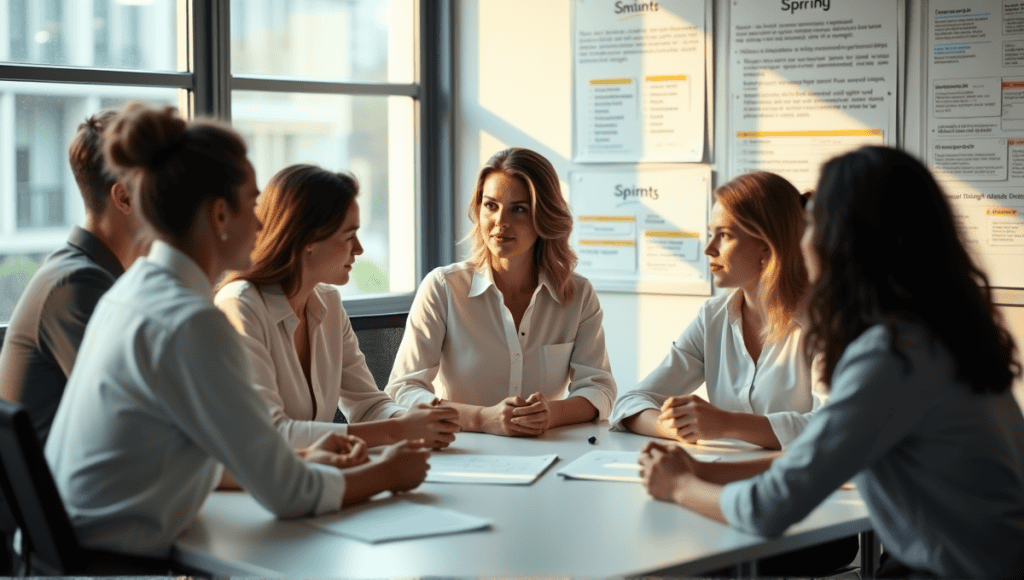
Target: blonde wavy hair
{"points": [[768, 207], [548, 210]]}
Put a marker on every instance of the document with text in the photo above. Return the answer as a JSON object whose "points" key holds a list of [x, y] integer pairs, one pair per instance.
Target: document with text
{"points": [[809, 80], [975, 121]]}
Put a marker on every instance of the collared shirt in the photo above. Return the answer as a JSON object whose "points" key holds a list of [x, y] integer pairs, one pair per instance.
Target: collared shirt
{"points": [[302, 411], [159, 399], [460, 332], [940, 468], [48, 322], [711, 350]]}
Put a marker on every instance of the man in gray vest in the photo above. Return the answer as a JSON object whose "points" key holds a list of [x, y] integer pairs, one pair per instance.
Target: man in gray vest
{"points": [[49, 320]]}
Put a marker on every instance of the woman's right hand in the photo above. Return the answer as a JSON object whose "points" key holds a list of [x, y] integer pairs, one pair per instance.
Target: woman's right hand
{"points": [[435, 424], [497, 419], [405, 464]]}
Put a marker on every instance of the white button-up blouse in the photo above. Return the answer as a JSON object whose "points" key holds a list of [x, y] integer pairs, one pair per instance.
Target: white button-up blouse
{"points": [[711, 350], [301, 411], [461, 343]]}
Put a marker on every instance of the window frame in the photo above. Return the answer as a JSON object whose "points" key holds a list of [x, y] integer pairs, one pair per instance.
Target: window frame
{"points": [[208, 86]]}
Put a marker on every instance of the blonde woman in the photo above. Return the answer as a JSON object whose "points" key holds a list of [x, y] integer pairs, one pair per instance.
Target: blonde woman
{"points": [[511, 338], [745, 345]]}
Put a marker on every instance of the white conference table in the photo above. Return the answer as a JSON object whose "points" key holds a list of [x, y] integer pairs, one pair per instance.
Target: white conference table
{"points": [[554, 527]]}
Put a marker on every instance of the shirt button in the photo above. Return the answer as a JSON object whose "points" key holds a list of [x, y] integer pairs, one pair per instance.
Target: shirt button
{"points": [[518, 356]]}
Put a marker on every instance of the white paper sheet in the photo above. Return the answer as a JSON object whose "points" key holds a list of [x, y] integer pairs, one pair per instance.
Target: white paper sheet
{"points": [[613, 465], [492, 469], [396, 519]]}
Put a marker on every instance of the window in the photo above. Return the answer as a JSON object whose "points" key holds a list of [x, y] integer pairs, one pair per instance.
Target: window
{"points": [[337, 83]]}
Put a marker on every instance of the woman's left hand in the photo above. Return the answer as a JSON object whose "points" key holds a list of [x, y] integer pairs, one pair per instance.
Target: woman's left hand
{"points": [[535, 414], [336, 449], [666, 470]]}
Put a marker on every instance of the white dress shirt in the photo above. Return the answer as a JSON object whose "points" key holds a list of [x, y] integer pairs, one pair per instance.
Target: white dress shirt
{"points": [[711, 350], [460, 332], [940, 468], [340, 378], [159, 399]]}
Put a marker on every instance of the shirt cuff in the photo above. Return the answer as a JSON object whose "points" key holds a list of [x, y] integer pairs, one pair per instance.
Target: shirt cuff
{"points": [[786, 426], [597, 397], [627, 408], [333, 488], [734, 502], [416, 396]]}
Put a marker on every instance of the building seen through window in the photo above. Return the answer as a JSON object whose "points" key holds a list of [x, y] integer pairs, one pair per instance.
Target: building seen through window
{"points": [[273, 42]]}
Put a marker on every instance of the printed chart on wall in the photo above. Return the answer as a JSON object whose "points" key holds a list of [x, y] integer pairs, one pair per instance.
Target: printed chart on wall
{"points": [[639, 73], [642, 230], [809, 79], [976, 125]]}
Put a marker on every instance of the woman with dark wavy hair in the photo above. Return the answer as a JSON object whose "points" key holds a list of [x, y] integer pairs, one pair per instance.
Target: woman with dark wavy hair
{"points": [[920, 368], [513, 335], [287, 308]]}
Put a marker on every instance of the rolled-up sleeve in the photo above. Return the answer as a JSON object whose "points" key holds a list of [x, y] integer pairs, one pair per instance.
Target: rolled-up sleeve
{"points": [[419, 355], [680, 373], [590, 372]]}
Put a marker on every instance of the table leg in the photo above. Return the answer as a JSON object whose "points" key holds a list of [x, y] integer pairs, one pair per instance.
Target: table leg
{"points": [[869, 553]]}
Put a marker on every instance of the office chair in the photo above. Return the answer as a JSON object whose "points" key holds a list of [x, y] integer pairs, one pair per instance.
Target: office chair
{"points": [[49, 544], [379, 338]]}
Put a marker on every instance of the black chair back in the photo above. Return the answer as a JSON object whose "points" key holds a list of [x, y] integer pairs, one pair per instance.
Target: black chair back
{"points": [[32, 496], [379, 338]]}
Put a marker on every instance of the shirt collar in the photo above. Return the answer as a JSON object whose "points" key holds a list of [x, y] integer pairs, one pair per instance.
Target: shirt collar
{"points": [[181, 267], [482, 280], [280, 309], [94, 247], [733, 307]]}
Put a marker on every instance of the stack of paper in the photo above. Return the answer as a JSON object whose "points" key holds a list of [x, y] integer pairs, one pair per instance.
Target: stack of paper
{"points": [[613, 465]]}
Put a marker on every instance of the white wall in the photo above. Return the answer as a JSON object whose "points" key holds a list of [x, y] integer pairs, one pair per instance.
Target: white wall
{"points": [[514, 88]]}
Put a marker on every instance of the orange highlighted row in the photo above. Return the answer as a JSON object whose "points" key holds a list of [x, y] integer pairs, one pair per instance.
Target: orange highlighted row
{"points": [[1013, 85], [664, 234], [611, 81], [662, 78], [607, 218], [834, 133], [619, 243], [1010, 212]]}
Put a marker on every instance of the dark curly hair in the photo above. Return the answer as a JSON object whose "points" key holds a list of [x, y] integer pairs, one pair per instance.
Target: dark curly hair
{"points": [[889, 249]]}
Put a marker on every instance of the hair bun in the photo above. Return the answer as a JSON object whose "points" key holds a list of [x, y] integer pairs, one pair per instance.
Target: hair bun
{"points": [[144, 137]]}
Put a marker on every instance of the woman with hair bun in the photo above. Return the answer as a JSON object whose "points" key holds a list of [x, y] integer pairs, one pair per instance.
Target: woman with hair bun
{"points": [[745, 344], [512, 336], [160, 399], [304, 354]]}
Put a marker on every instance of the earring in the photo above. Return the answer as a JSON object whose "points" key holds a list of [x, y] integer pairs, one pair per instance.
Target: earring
{"points": [[224, 237]]}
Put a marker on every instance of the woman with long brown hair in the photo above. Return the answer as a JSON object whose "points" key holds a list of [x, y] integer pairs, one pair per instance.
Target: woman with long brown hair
{"points": [[745, 344], [304, 355], [512, 337]]}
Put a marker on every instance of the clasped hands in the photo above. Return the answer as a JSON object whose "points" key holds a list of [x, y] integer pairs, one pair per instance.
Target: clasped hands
{"points": [[518, 417], [667, 470], [689, 418]]}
